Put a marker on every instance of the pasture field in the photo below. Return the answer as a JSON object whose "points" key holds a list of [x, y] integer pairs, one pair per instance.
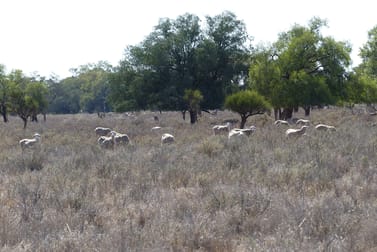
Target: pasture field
{"points": [[202, 193]]}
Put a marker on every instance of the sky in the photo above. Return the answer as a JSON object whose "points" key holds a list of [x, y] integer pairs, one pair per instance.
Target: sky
{"points": [[50, 37]]}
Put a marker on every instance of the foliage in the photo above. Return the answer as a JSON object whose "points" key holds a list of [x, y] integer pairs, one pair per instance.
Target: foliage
{"points": [[28, 96], [178, 55], [4, 94], [368, 54], [302, 68], [193, 99], [247, 103], [87, 90]]}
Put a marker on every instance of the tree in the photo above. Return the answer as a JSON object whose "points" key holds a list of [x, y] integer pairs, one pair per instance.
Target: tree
{"points": [[247, 103], [28, 96], [177, 56], [307, 69], [222, 58], [4, 94], [368, 54], [193, 99]]}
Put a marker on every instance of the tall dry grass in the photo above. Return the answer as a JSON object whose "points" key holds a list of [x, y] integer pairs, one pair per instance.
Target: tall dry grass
{"points": [[203, 193]]}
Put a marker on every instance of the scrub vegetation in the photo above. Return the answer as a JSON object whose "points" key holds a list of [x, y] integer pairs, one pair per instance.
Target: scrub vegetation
{"points": [[201, 193]]}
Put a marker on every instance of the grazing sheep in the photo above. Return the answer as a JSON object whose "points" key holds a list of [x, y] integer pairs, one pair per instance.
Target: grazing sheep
{"points": [[120, 138], [296, 132], [107, 142], [156, 128], [220, 129], [239, 132], [167, 138], [236, 133], [281, 122], [324, 127], [101, 131], [27, 143], [303, 122]]}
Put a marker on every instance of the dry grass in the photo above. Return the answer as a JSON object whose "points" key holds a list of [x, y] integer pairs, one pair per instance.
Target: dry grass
{"points": [[203, 193]]}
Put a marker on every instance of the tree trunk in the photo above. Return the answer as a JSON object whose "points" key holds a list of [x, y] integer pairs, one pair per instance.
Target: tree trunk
{"points": [[243, 121], [277, 113], [184, 115], [3, 110], [34, 118], [25, 121], [287, 113], [193, 116], [307, 110]]}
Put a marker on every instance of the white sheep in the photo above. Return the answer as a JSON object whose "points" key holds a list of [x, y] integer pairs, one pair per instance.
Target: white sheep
{"points": [[241, 132], [324, 127], [26, 143], [236, 133], [281, 122], [302, 122], [156, 128], [107, 142], [221, 129], [120, 138], [101, 131], [167, 138], [296, 132]]}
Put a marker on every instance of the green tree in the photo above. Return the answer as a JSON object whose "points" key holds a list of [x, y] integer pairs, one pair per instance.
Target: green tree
{"points": [[177, 56], [28, 96], [307, 69], [247, 103], [93, 82], [222, 58], [368, 54], [4, 93], [193, 99]]}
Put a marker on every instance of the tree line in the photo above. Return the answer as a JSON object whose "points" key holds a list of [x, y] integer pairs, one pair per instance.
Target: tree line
{"points": [[185, 66]]}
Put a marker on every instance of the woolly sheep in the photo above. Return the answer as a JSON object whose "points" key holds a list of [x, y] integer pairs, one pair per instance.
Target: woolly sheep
{"points": [[120, 138], [220, 129], [156, 128], [107, 142], [324, 127], [236, 133], [296, 132], [167, 138], [281, 122], [101, 131], [26, 143], [239, 132], [303, 122]]}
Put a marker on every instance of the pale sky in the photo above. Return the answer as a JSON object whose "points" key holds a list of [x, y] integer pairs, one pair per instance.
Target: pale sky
{"points": [[52, 36]]}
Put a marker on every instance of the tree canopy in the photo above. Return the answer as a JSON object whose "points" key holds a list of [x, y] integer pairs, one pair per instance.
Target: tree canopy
{"points": [[247, 103], [301, 69]]}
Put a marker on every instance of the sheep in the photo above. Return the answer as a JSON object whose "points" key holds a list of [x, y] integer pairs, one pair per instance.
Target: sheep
{"points": [[303, 122], [239, 132], [107, 142], [281, 122], [26, 143], [296, 132], [325, 127], [167, 138], [120, 138], [219, 129], [156, 128], [101, 131], [236, 133]]}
